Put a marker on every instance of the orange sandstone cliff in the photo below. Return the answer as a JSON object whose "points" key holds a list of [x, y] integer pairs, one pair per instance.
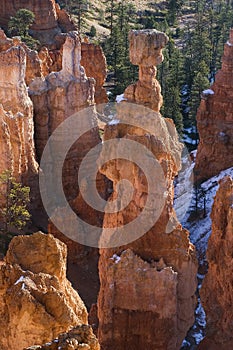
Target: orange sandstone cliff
{"points": [[37, 301], [217, 288], [147, 293], [50, 20], [16, 118], [215, 121]]}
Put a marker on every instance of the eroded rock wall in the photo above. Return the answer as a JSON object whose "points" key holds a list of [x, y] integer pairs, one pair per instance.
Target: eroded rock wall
{"points": [[57, 97], [217, 288], [37, 301], [215, 121], [50, 20], [16, 119], [95, 65]]}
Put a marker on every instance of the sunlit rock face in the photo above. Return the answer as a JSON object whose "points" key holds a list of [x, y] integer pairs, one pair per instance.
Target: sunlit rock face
{"points": [[37, 301], [95, 65], [215, 121], [16, 118], [146, 52], [58, 96], [147, 292], [50, 20], [217, 288]]}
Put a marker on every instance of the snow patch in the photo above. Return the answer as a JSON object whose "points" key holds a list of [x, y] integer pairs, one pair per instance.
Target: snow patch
{"points": [[21, 279], [120, 98], [229, 44], [116, 258], [208, 92], [114, 122]]}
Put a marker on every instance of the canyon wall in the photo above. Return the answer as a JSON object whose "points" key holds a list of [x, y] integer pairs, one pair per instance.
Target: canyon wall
{"points": [[37, 302], [147, 293], [215, 121], [55, 98], [95, 65], [16, 117], [50, 20], [217, 288], [58, 96]]}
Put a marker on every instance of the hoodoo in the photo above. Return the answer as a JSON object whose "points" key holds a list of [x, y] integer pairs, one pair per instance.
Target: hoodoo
{"points": [[145, 300]]}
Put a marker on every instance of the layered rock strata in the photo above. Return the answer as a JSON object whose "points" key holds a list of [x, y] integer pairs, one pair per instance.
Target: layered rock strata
{"points": [[215, 121], [37, 301], [146, 52], [56, 98], [79, 338], [217, 288], [147, 293], [16, 120], [95, 65], [50, 20]]}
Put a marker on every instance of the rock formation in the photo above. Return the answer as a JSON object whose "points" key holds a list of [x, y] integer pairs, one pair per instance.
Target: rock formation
{"points": [[147, 293], [35, 64], [95, 65], [49, 19], [56, 98], [79, 338], [37, 301], [215, 121], [16, 118], [146, 52], [217, 288]]}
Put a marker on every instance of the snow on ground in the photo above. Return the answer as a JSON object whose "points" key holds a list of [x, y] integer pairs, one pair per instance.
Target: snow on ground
{"points": [[193, 206], [200, 228]]}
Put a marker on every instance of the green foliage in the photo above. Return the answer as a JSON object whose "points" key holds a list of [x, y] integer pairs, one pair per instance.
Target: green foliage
{"points": [[171, 76], [15, 197], [21, 22], [79, 8], [20, 25], [92, 32], [116, 46]]}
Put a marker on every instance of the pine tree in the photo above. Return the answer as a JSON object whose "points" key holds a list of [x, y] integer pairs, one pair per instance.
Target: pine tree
{"points": [[171, 76], [15, 198], [20, 25]]}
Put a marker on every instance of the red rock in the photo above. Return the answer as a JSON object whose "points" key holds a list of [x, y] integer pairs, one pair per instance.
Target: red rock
{"points": [[147, 90], [95, 65], [49, 19], [215, 121], [16, 115], [217, 288], [147, 292], [37, 301], [56, 98]]}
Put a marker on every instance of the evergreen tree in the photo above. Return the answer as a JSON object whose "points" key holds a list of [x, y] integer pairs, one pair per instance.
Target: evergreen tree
{"points": [[116, 47], [171, 77], [15, 197], [20, 25]]}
